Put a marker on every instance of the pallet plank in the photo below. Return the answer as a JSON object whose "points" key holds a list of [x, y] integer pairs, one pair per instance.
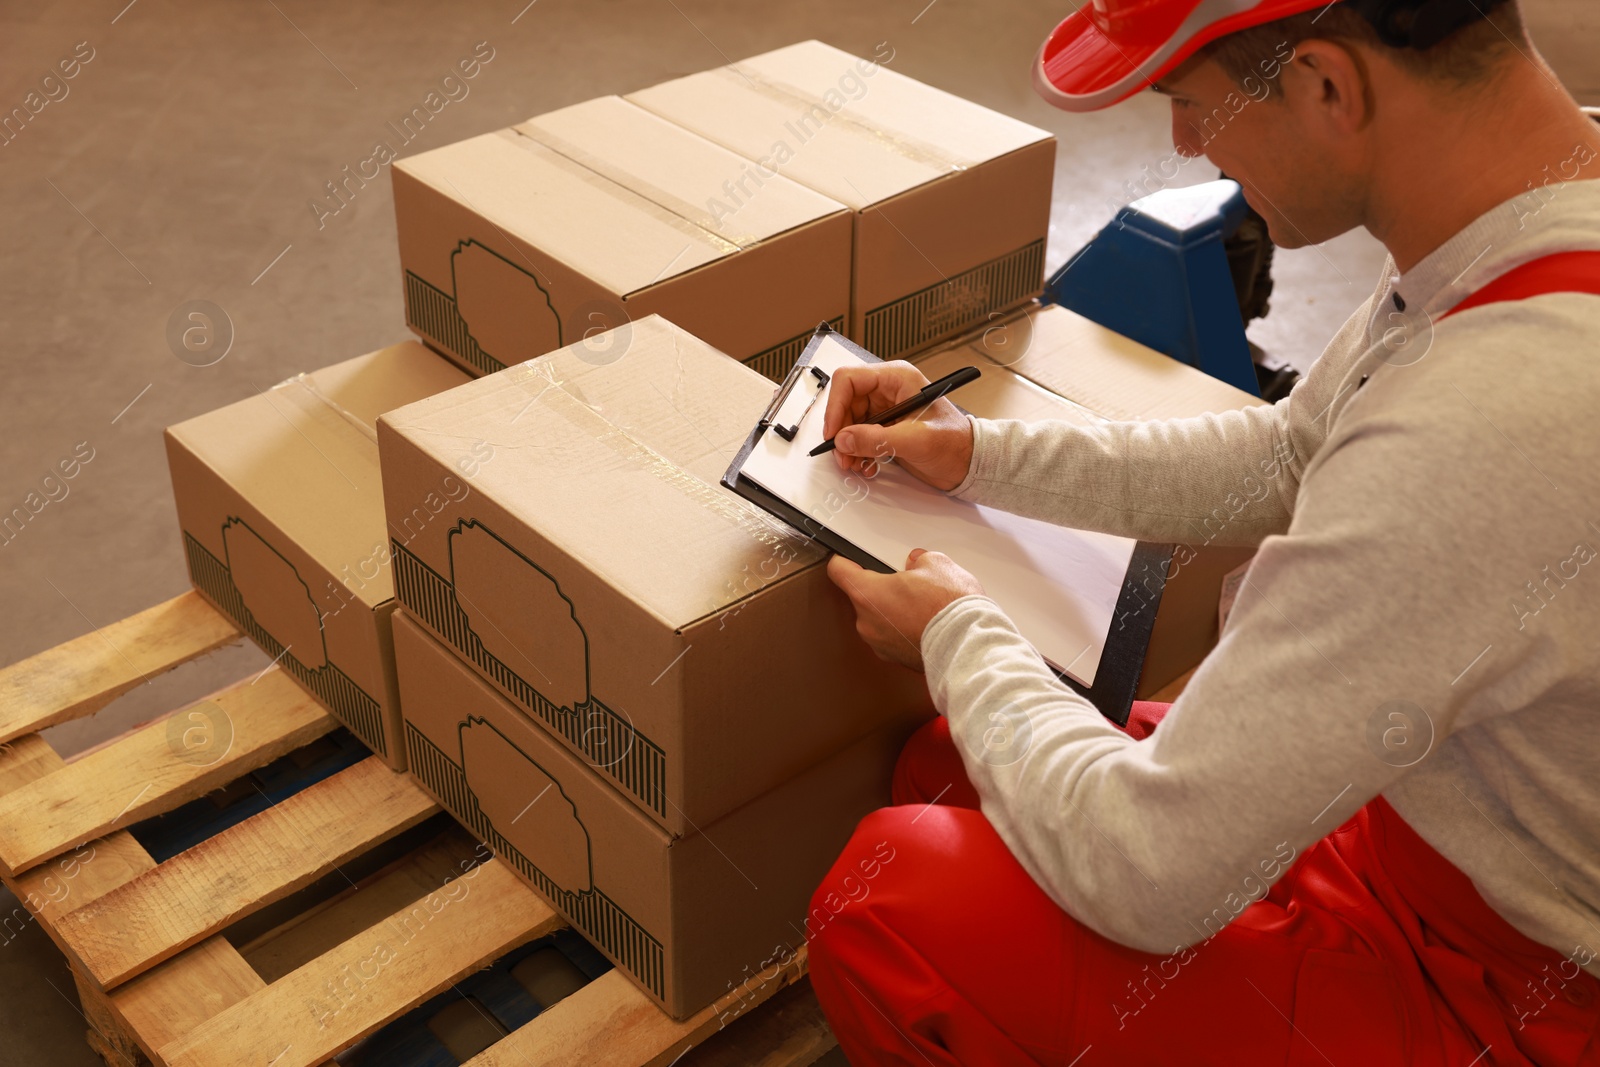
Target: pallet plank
{"points": [[787, 1031], [101, 1046], [161, 1006], [191, 988], [241, 870], [611, 1023], [294, 944], [353, 989], [24, 760], [73, 879], [105, 1036], [85, 674], [180, 993], [142, 774], [51, 890]]}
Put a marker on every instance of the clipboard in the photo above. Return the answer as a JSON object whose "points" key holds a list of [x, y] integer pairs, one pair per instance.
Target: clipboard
{"points": [[1121, 660]]}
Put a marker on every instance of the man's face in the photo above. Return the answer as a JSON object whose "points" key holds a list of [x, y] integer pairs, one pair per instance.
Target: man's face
{"points": [[1266, 135]]}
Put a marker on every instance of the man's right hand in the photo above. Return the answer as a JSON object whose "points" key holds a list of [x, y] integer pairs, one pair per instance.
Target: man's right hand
{"points": [[934, 444]]}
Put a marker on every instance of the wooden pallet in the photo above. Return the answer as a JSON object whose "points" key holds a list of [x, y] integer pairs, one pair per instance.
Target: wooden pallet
{"points": [[193, 961]]}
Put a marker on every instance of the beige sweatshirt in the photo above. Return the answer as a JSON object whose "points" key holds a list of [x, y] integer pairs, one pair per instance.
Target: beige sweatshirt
{"points": [[1422, 618]]}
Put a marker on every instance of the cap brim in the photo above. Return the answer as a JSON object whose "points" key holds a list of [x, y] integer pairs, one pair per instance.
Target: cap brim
{"points": [[1081, 68]]}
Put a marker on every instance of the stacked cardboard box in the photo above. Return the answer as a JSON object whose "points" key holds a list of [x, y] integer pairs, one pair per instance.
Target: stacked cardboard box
{"points": [[283, 526], [656, 706], [951, 201], [518, 242], [745, 204]]}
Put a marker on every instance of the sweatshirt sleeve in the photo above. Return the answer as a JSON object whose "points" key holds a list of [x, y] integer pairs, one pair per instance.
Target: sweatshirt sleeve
{"points": [[1288, 727], [1227, 478]]}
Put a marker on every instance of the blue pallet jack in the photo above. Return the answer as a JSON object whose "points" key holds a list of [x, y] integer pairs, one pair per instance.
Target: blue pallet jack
{"points": [[1159, 274]]}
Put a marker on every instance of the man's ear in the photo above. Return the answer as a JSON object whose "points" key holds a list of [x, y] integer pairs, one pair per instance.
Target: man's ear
{"points": [[1331, 82]]}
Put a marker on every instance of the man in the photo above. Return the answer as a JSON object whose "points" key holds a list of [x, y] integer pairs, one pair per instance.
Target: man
{"points": [[1368, 832]]}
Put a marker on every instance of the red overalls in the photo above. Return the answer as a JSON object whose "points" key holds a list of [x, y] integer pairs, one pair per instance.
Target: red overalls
{"points": [[930, 945]]}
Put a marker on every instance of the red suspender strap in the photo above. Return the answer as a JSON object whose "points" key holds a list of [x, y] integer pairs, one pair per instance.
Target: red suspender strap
{"points": [[1563, 272]]}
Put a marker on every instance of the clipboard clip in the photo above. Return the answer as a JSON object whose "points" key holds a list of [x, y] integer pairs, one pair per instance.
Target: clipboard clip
{"points": [[794, 399]]}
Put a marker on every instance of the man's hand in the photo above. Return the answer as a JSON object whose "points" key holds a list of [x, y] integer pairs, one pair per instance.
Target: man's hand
{"points": [[934, 444], [892, 610]]}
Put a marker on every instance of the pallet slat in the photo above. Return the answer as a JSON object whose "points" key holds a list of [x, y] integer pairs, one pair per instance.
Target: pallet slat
{"points": [[102, 1046], [141, 775], [209, 977], [160, 1006], [611, 1023], [353, 989], [294, 944], [87, 673], [24, 760], [56, 889], [114, 1045], [241, 870], [789, 1031], [180, 992], [52, 890]]}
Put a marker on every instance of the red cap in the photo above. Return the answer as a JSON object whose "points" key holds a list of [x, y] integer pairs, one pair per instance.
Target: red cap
{"points": [[1108, 50]]}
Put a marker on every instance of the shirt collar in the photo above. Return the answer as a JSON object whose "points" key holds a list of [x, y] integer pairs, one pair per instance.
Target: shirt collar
{"points": [[1558, 217]]}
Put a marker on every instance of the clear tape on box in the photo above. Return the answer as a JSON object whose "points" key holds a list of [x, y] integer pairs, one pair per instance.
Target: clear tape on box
{"points": [[303, 384], [736, 241], [538, 379], [896, 141]]}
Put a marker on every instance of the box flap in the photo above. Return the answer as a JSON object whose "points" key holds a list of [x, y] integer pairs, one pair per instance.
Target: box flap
{"points": [[389, 378], [1001, 393], [847, 127], [1111, 375], [697, 180], [582, 219], [616, 463], [960, 130], [305, 452]]}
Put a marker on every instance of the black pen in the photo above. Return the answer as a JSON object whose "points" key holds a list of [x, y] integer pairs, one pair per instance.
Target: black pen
{"points": [[930, 392]]}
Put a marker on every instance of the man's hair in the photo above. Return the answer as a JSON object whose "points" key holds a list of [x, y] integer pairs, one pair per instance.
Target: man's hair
{"points": [[1465, 57]]}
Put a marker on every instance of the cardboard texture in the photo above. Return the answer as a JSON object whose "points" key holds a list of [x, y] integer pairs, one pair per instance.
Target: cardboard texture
{"points": [[521, 241], [687, 918], [951, 200], [282, 517], [685, 644], [1062, 365]]}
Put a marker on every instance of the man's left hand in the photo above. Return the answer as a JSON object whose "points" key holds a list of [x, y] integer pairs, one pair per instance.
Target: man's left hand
{"points": [[892, 610]]}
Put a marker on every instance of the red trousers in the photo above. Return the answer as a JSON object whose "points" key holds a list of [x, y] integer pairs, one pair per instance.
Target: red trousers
{"points": [[930, 945]]}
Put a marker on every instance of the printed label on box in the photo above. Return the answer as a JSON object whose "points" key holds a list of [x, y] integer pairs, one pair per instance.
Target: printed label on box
{"points": [[590, 910], [556, 688], [248, 587], [524, 810]]}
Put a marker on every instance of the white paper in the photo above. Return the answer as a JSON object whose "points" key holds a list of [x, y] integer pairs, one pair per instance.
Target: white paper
{"points": [[1058, 585]]}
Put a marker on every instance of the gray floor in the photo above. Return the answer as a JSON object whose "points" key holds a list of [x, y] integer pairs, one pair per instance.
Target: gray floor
{"points": [[181, 164]]}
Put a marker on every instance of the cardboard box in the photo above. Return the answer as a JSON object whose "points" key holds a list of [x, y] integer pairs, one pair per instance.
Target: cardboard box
{"points": [[1063, 365], [687, 645], [951, 200], [283, 528], [519, 242], [688, 918]]}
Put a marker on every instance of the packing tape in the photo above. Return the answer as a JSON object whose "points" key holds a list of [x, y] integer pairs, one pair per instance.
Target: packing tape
{"points": [[306, 384], [538, 379], [637, 185], [896, 141], [622, 191]]}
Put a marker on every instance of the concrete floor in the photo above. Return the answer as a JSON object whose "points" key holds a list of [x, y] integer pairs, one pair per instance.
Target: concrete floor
{"points": [[180, 167]]}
